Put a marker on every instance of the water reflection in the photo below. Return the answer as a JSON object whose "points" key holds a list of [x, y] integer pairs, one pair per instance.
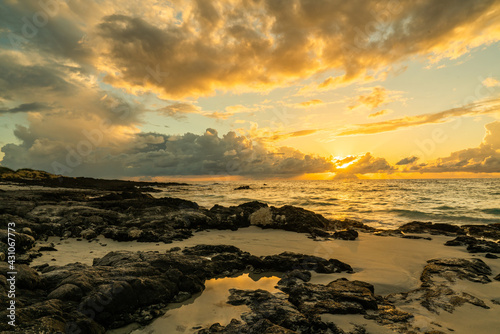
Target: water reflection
{"points": [[209, 306]]}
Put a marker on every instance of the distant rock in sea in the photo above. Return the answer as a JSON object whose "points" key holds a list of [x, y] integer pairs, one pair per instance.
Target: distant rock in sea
{"points": [[242, 188]]}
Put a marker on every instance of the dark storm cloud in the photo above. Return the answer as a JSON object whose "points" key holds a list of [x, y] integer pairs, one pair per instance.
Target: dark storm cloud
{"points": [[160, 155], [406, 161], [19, 81], [45, 25], [26, 107]]}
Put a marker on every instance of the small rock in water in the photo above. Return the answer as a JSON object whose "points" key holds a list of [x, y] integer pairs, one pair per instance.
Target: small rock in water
{"points": [[346, 235], [491, 256]]}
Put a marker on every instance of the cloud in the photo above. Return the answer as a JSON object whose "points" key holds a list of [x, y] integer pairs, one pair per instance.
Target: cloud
{"points": [[78, 61], [310, 103], [155, 154], [259, 45], [482, 159], [407, 161], [272, 135], [380, 113], [26, 107], [478, 108], [491, 82], [348, 167], [178, 110], [367, 164], [375, 98]]}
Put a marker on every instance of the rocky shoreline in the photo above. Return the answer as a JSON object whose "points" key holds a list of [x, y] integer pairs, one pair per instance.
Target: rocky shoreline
{"points": [[125, 287]]}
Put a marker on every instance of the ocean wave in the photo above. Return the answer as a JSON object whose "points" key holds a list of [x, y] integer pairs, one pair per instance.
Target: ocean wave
{"points": [[494, 211], [445, 207], [420, 215]]}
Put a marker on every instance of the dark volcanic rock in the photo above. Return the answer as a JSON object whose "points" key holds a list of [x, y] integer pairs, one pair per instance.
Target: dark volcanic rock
{"points": [[434, 228], [206, 250], [438, 278], [475, 245], [66, 292], [295, 277], [242, 188], [124, 287], [489, 231], [474, 270], [290, 218], [133, 215], [346, 235], [288, 261], [266, 305], [338, 297]]}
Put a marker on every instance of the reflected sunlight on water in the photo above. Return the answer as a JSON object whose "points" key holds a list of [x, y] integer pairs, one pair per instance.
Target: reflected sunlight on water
{"points": [[209, 306]]}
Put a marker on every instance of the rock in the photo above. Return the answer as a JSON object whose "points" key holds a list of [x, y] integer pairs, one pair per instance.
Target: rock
{"points": [[288, 261], [484, 247], [491, 256], [433, 228], [27, 230], [415, 237], [45, 247], [346, 235], [242, 188], [264, 305], [299, 309], [290, 218], [438, 280], [26, 278], [475, 245], [182, 296], [451, 269], [338, 297], [124, 287], [461, 241], [88, 234], [295, 277], [68, 292], [497, 277], [206, 250], [489, 231], [23, 241]]}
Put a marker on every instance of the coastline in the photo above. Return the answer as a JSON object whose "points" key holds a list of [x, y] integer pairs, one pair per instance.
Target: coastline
{"points": [[391, 262]]}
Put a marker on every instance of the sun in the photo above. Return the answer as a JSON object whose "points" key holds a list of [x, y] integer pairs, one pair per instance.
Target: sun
{"points": [[344, 162]]}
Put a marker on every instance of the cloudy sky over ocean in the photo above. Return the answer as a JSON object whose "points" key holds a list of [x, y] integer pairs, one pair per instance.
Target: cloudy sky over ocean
{"points": [[302, 89]]}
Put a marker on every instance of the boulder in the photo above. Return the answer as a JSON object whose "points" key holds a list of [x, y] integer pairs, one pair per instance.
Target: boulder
{"points": [[346, 235]]}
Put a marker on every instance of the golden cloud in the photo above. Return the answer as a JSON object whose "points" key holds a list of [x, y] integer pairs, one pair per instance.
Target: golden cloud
{"points": [[479, 108], [242, 45]]}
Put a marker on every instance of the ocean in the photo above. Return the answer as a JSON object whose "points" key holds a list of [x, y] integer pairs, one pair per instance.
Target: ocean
{"points": [[378, 203]]}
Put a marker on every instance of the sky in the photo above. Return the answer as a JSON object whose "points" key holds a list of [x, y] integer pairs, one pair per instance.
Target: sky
{"points": [[251, 89]]}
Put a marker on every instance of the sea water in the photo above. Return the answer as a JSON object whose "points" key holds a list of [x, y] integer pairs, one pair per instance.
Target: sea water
{"points": [[378, 203]]}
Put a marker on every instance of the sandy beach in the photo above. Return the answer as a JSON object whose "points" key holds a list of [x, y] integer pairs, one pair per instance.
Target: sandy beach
{"points": [[391, 264]]}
